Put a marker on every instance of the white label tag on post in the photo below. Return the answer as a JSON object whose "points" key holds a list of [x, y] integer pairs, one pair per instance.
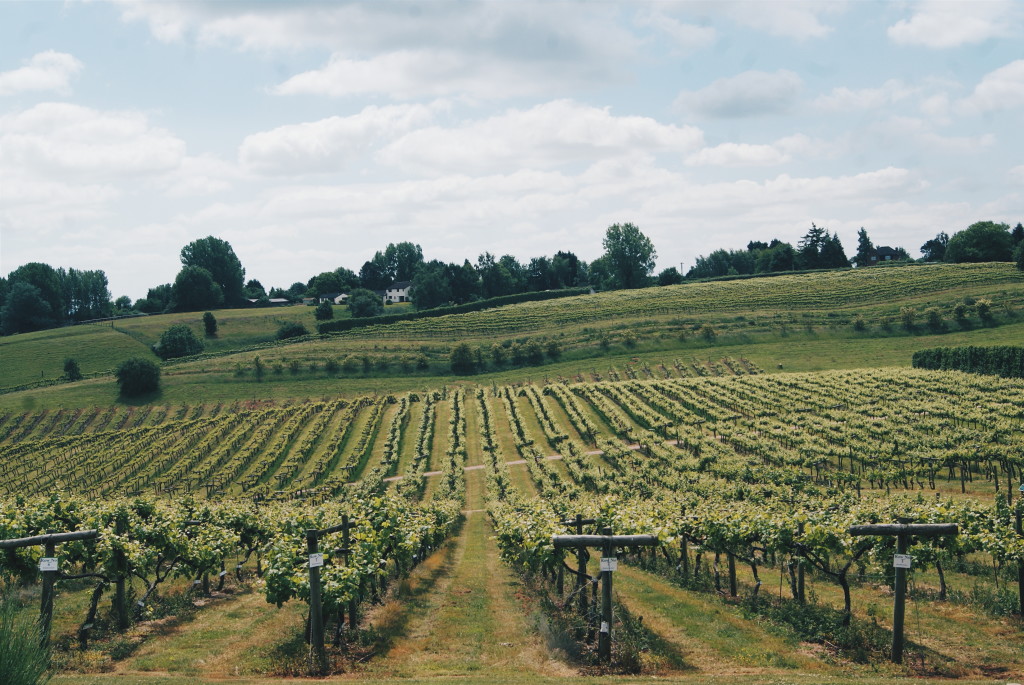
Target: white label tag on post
{"points": [[222, 574], [901, 560], [604, 627], [316, 560], [609, 564], [48, 564]]}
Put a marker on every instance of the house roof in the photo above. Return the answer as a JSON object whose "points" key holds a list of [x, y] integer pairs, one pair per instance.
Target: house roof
{"points": [[400, 285], [885, 250]]}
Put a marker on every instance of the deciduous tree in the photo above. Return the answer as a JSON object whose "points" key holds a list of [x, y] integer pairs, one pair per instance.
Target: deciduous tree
{"points": [[630, 255]]}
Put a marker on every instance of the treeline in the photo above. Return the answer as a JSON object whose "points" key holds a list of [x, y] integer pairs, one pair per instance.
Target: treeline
{"points": [[36, 296], [1006, 361]]}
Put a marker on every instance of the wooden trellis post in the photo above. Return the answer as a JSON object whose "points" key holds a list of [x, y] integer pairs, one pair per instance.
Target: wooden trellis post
{"points": [[608, 543], [903, 531], [49, 569], [318, 655]]}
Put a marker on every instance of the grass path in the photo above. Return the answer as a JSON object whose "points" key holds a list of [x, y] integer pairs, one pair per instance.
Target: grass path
{"points": [[471, 619]]}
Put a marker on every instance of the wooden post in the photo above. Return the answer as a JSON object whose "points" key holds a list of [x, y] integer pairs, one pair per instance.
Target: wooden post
{"points": [[121, 564], [903, 532], [46, 601], [604, 637], [899, 599], [353, 603], [732, 574], [318, 655], [800, 596], [1020, 564]]}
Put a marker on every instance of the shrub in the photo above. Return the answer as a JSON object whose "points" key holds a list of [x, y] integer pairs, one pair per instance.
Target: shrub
{"points": [[210, 324], [462, 359], [22, 660], [291, 330], [908, 318], [294, 366], [364, 303], [708, 332], [137, 376], [859, 324], [533, 353], [324, 311], [1005, 361], [629, 339], [933, 319], [71, 370], [422, 362], [553, 350], [984, 309], [960, 314], [178, 341], [498, 354], [331, 366]]}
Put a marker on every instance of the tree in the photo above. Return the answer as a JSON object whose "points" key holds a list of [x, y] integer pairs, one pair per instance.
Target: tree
{"points": [[1019, 255], [778, 257], [430, 287], [324, 283], [178, 341], [71, 370], [865, 249], [122, 304], [137, 376], [984, 241], [217, 257], [157, 299], [630, 255], [832, 254], [1018, 233], [296, 291], [254, 290], [85, 294], [934, 250], [670, 276], [402, 261], [47, 282], [25, 310], [372, 275], [495, 279], [363, 303], [568, 270], [463, 281], [462, 360], [210, 324], [324, 311], [194, 289]]}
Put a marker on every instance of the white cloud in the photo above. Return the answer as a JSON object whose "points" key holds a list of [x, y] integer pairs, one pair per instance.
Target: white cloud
{"points": [[74, 140], [745, 154], [48, 70], [199, 176], [999, 89], [1016, 174], [549, 135], [950, 24], [789, 18], [750, 93], [684, 38], [330, 144], [844, 99], [899, 130]]}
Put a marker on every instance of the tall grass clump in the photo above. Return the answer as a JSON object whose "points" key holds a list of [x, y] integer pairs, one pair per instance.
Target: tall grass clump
{"points": [[22, 660]]}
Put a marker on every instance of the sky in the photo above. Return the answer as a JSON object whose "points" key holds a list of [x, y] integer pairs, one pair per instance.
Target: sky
{"points": [[311, 134]]}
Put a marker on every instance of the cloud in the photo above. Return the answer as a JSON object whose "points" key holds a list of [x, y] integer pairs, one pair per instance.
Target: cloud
{"points": [[330, 144], [844, 99], [949, 24], [751, 93], [789, 18], [403, 50], [48, 70], [68, 139], [549, 135], [745, 154], [683, 38], [999, 89]]}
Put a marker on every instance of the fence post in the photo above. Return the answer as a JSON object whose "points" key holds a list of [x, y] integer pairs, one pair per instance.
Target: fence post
{"points": [[120, 563], [1020, 564], [899, 600], [353, 603], [604, 639], [318, 655], [46, 601], [801, 597]]}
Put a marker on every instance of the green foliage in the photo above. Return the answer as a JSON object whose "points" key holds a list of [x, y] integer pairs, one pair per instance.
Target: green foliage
{"points": [[137, 376], [430, 287], [865, 249], [1019, 255], [291, 329], [324, 311], [71, 370], [178, 341], [210, 324], [553, 350], [533, 353], [26, 310], [364, 303], [984, 241], [22, 660], [859, 323], [908, 318], [934, 250], [670, 276], [462, 361], [499, 355], [1006, 361], [194, 289], [933, 319], [218, 258], [984, 308], [630, 255]]}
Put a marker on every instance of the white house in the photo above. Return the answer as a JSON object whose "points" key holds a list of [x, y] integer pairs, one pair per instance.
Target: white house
{"points": [[398, 292]]}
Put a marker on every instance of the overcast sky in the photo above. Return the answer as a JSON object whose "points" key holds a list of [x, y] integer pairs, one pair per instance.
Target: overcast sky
{"points": [[309, 135]]}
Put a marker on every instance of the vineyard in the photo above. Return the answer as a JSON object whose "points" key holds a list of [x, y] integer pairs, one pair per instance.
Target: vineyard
{"points": [[742, 479]]}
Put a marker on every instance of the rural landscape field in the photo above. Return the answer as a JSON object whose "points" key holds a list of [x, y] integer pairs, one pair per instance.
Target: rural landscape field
{"points": [[744, 427]]}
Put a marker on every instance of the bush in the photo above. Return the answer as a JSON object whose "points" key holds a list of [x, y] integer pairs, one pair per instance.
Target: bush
{"points": [[933, 318], [364, 303], [553, 350], [137, 376], [291, 330], [498, 355], [533, 353], [1005, 361], [71, 370], [324, 311], [984, 309], [331, 366], [960, 314], [462, 359], [859, 324], [22, 660], [210, 324], [908, 318], [178, 341], [708, 332]]}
